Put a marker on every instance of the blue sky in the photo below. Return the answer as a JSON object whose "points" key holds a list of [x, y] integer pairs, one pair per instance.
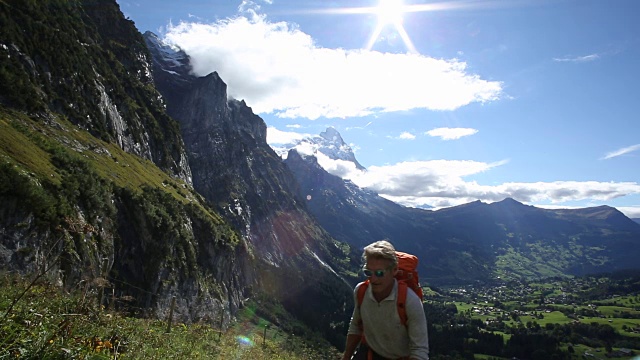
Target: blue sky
{"points": [[443, 102]]}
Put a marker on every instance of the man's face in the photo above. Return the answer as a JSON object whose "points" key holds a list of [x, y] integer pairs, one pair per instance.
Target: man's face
{"points": [[380, 284]]}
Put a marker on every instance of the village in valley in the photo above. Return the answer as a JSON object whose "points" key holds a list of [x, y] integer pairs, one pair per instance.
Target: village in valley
{"points": [[587, 317]]}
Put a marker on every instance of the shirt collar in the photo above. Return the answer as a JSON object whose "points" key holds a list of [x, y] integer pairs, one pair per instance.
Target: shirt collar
{"points": [[391, 296]]}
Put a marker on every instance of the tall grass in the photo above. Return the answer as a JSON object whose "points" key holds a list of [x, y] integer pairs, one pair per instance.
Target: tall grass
{"points": [[48, 323]]}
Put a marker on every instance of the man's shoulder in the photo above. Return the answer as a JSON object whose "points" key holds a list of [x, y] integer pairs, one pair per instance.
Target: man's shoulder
{"points": [[360, 290], [364, 285]]}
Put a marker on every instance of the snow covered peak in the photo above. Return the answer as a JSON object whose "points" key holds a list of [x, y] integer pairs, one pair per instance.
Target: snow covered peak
{"points": [[332, 135], [328, 144]]}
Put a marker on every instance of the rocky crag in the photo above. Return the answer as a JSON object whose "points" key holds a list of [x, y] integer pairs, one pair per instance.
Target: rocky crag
{"points": [[112, 180]]}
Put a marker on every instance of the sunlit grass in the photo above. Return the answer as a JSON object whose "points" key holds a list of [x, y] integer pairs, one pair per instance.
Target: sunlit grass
{"points": [[616, 323], [24, 142], [47, 323], [616, 310], [17, 148], [554, 317]]}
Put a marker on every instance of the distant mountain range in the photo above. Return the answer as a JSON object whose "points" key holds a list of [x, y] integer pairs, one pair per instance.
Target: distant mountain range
{"points": [[475, 241]]}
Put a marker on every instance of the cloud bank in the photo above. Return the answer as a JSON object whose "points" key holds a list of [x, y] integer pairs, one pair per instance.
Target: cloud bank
{"points": [[444, 183], [278, 69]]}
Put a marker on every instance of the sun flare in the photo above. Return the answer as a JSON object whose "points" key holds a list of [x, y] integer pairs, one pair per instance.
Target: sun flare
{"points": [[390, 12]]}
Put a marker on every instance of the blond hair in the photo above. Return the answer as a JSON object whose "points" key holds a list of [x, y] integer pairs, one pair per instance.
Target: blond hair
{"points": [[381, 250]]}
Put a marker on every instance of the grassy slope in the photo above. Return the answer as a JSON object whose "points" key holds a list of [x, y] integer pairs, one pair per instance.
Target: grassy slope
{"points": [[48, 324], [23, 142], [69, 323]]}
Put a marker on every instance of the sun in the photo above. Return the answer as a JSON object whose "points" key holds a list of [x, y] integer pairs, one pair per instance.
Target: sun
{"points": [[390, 12]]}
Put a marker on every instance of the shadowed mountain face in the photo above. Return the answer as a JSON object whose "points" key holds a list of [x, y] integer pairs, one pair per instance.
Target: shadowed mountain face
{"points": [[100, 136], [236, 171], [475, 241]]}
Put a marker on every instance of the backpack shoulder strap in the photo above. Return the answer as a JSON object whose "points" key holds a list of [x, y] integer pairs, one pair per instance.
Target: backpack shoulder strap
{"points": [[401, 301], [362, 289]]}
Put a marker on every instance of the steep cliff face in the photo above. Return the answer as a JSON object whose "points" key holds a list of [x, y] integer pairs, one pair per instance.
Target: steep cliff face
{"points": [[166, 250], [95, 187], [82, 59], [235, 169]]}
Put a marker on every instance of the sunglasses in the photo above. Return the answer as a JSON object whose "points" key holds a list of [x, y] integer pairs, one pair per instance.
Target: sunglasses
{"points": [[377, 273]]}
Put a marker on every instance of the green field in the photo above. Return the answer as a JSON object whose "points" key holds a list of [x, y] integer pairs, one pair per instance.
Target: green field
{"points": [[535, 306]]}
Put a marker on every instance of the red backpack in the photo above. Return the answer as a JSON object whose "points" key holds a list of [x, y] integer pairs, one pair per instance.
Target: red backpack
{"points": [[407, 277]]}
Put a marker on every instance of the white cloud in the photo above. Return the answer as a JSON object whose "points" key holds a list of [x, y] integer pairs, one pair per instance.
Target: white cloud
{"points": [[407, 136], [341, 168], [585, 58], [277, 137], [277, 68], [442, 183], [451, 133], [461, 192], [249, 7], [418, 179], [632, 212], [622, 151]]}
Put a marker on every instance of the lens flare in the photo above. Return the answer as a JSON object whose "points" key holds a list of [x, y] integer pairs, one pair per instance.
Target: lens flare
{"points": [[244, 341], [391, 12]]}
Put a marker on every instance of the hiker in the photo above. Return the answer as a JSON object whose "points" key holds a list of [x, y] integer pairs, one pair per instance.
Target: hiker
{"points": [[377, 329]]}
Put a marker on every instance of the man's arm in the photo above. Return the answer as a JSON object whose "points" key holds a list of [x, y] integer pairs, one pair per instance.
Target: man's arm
{"points": [[352, 343], [354, 333], [417, 328]]}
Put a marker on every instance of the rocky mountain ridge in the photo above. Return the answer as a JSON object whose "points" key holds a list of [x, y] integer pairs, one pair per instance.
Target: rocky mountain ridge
{"points": [[235, 169], [475, 241]]}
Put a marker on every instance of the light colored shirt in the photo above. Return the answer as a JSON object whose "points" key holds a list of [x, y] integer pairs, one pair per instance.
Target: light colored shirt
{"points": [[383, 328]]}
